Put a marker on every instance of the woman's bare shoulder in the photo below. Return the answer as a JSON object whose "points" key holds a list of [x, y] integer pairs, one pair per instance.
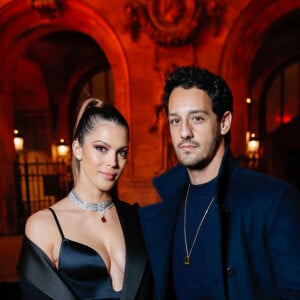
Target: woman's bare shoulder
{"points": [[40, 226], [42, 229]]}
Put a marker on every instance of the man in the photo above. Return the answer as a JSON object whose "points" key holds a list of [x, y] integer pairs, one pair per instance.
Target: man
{"points": [[221, 232]]}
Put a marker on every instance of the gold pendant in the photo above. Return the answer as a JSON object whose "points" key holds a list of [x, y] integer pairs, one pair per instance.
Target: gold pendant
{"points": [[187, 260]]}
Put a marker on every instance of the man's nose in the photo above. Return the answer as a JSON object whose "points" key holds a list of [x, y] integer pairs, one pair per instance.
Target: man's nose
{"points": [[186, 130]]}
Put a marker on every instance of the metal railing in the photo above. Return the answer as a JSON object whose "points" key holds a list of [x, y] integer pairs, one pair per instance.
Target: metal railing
{"points": [[39, 185]]}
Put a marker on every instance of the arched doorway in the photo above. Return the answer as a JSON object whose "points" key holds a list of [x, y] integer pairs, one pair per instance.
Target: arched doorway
{"points": [[259, 43], [280, 122], [84, 47]]}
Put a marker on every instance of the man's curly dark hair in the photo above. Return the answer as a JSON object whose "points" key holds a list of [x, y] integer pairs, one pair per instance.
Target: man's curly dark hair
{"points": [[214, 85]]}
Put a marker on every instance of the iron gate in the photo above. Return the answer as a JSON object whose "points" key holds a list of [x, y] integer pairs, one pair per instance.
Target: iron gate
{"points": [[39, 185]]}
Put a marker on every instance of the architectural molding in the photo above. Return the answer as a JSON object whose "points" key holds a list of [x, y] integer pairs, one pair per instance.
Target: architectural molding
{"points": [[172, 23], [47, 8]]}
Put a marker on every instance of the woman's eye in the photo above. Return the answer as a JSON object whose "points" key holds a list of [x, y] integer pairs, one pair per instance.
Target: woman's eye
{"points": [[124, 153], [100, 148]]}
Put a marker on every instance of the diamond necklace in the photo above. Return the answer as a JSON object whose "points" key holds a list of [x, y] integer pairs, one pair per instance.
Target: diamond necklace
{"points": [[187, 258], [100, 207]]}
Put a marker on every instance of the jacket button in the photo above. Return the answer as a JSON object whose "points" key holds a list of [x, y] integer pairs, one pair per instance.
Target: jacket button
{"points": [[230, 271], [225, 209]]}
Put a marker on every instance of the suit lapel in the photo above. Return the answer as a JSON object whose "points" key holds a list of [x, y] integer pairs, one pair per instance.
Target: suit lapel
{"points": [[214, 257], [158, 223], [136, 255]]}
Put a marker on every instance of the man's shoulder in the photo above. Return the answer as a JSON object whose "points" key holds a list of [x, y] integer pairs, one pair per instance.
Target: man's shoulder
{"points": [[261, 181]]}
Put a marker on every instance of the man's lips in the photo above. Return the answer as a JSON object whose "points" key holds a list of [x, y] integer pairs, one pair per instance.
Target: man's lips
{"points": [[186, 147]]}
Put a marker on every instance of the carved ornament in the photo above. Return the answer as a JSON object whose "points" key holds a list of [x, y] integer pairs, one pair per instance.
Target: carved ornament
{"points": [[172, 23], [46, 8]]}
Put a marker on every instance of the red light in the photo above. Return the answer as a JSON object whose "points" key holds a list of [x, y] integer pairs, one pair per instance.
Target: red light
{"points": [[278, 119], [286, 119]]}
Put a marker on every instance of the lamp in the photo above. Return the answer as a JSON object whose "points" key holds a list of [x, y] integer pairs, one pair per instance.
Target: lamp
{"points": [[18, 141], [253, 145], [62, 148]]}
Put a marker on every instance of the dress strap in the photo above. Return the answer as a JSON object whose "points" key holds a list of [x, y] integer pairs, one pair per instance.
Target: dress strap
{"points": [[56, 220]]}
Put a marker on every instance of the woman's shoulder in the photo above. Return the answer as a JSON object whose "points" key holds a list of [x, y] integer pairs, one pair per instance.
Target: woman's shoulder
{"points": [[38, 225], [41, 229], [38, 222], [42, 222]]}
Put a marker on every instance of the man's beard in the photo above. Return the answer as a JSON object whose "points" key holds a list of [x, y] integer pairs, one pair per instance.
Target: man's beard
{"points": [[201, 163]]}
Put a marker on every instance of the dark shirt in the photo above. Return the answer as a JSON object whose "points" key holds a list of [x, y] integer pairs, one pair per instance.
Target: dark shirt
{"points": [[190, 281]]}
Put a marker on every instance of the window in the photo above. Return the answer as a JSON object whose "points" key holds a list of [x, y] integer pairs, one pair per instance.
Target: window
{"points": [[283, 97]]}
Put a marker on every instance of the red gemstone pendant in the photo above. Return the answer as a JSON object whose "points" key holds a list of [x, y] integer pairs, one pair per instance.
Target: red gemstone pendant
{"points": [[103, 219]]}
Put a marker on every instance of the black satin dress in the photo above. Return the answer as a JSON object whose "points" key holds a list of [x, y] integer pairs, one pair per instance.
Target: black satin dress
{"points": [[82, 273], [83, 270]]}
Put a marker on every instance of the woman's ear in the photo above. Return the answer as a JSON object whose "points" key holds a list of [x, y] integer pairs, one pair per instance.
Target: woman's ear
{"points": [[225, 123], [77, 150]]}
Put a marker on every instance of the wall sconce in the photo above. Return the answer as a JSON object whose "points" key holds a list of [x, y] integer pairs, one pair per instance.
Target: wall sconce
{"points": [[18, 141], [62, 148], [253, 145]]}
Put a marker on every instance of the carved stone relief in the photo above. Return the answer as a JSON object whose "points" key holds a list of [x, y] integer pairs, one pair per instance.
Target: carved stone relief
{"points": [[172, 23], [46, 8]]}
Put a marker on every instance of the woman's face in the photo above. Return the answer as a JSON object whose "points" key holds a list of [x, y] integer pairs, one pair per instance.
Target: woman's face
{"points": [[103, 155]]}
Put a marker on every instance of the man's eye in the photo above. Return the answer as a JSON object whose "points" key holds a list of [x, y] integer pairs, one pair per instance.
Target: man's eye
{"points": [[197, 118], [174, 121]]}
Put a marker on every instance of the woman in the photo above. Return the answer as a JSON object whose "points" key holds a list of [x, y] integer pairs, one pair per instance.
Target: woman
{"points": [[89, 245]]}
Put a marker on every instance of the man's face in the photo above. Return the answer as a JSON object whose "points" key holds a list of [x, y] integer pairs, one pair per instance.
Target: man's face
{"points": [[195, 131]]}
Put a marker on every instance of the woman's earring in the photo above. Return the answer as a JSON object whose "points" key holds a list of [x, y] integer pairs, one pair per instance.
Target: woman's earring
{"points": [[79, 157]]}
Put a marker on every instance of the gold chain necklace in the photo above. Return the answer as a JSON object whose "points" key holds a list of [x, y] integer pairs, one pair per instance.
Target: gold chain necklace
{"points": [[187, 258]]}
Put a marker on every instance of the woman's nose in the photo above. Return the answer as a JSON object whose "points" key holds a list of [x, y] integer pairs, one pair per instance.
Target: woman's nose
{"points": [[112, 160]]}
